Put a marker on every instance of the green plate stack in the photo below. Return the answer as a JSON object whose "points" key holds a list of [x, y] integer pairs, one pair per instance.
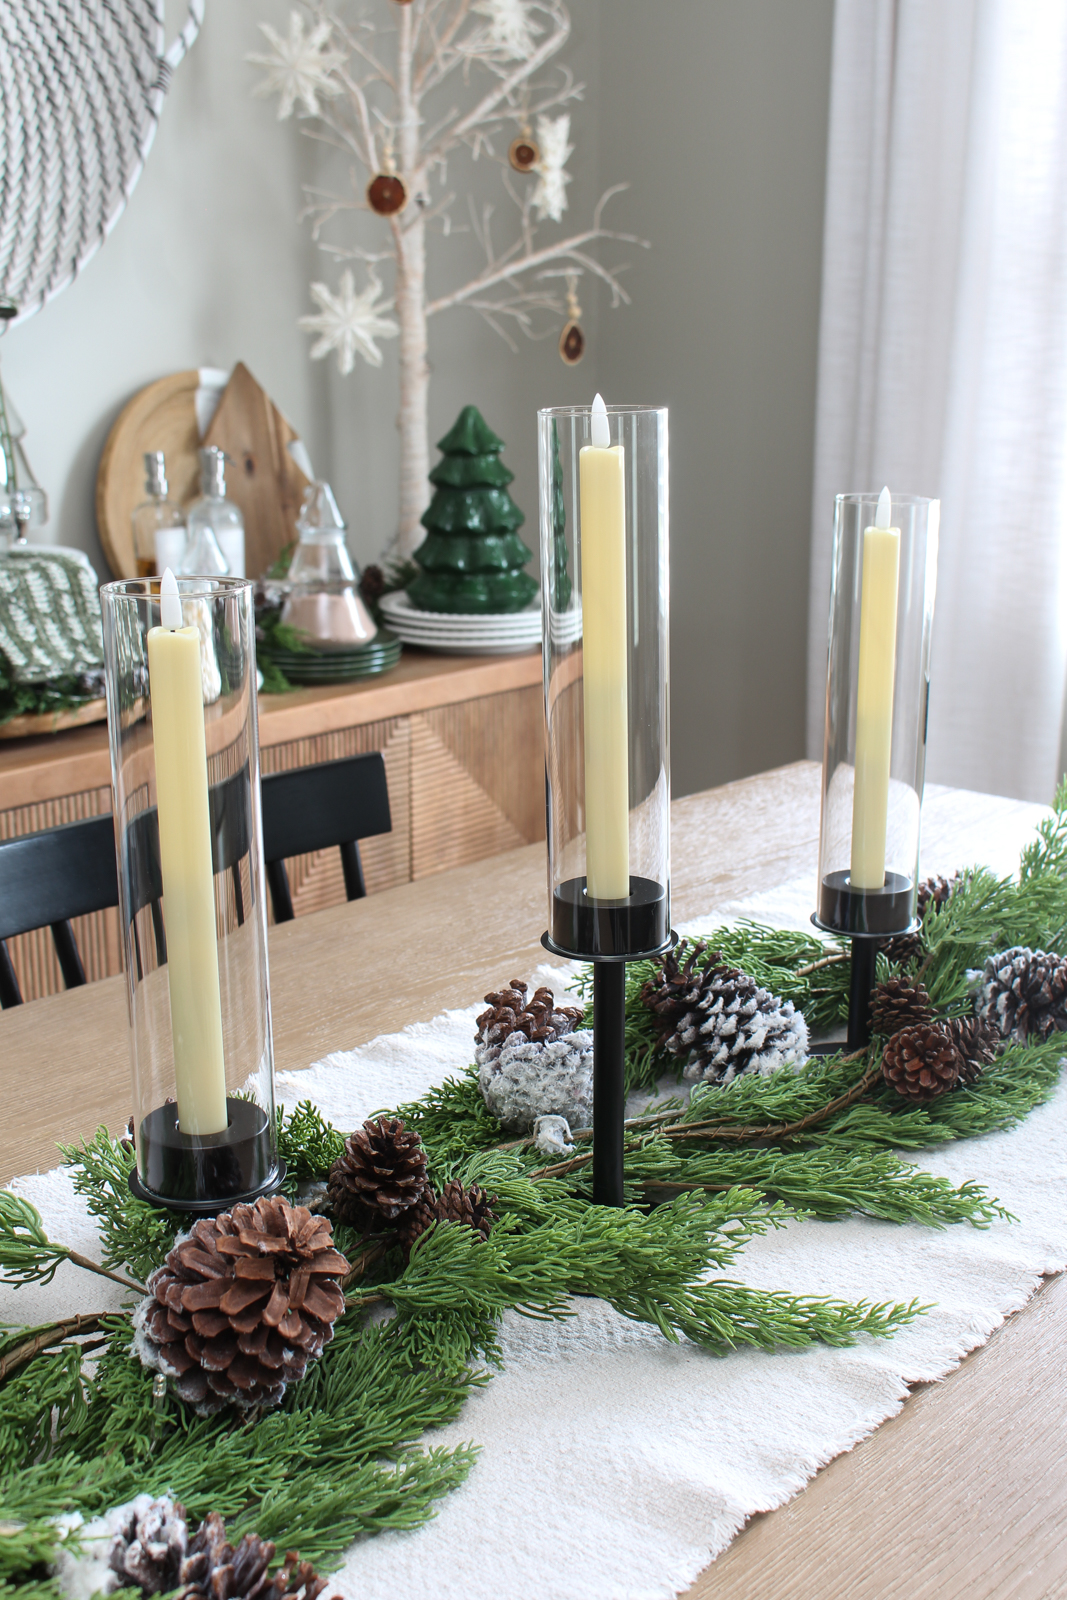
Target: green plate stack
{"points": [[339, 666]]}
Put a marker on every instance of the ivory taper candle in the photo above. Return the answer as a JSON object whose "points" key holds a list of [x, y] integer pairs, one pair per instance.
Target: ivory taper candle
{"points": [[601, 472], [185, 857], [874, 697]]}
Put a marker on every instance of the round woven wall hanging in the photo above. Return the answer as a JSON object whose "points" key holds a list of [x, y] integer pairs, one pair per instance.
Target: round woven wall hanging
{"points": [[82, 83]]}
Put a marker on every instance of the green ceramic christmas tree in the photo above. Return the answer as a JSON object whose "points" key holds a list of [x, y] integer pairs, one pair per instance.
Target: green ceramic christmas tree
{"points": [[472, 557]]}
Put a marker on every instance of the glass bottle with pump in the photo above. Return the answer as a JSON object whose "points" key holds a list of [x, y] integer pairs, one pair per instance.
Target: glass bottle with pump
{"points": [[158, 524], [216, 541]]}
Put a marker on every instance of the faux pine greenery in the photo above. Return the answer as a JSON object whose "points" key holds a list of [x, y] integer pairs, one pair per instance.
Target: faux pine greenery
{"points": [[350, 1450]]}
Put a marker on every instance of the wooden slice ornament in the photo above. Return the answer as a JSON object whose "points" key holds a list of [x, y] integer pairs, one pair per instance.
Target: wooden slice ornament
{"points": [[523, 153], [572, 343], [572, 339], [386, 194]]}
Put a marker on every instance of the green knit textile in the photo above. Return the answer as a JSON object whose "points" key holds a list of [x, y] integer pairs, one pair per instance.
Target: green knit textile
{"points": [[472, 557], [49, 615]]}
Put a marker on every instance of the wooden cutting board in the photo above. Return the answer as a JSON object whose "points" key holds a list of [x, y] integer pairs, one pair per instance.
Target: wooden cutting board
{"points": [[261, 476], [160, 417]]}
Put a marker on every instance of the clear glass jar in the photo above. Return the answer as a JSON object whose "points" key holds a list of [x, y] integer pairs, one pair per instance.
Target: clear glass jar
{"points": [[883, 580], [604, 593], [183, 731], [322, 599], [215, 545], [159, 532]]}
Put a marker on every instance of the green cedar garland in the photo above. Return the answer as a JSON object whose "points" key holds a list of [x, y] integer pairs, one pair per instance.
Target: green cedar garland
{"points": [[338, 1458]]}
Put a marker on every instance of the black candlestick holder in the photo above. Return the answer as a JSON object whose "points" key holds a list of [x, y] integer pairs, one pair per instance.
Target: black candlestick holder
{"points": [[605, 650], [866, 917], [609, 1030]]}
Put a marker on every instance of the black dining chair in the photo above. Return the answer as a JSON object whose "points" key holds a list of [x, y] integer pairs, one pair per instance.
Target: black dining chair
{"points": [[47, 878], [315, 808]]}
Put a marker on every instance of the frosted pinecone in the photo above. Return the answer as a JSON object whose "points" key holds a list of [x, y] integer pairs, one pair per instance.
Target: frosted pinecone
{"points": [[740, 1028], [1024, 992], [528, 1080]]}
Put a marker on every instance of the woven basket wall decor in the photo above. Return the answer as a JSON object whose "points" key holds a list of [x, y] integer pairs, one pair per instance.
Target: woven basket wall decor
{"points": [[82, 83]]}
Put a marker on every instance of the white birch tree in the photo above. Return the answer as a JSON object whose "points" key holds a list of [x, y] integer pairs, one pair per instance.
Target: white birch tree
{"points": [[402, 99]]}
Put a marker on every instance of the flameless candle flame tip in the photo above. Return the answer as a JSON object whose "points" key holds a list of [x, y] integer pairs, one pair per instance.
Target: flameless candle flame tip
{"points": [[883, 517], [170, 605], [599, 431]]}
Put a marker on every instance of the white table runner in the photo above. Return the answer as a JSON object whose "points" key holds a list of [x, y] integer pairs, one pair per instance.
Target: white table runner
{"points": [[614, 1465]]}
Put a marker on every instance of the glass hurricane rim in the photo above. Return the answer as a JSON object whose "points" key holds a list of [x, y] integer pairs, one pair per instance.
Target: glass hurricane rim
{"points": [[857, 497], [190, 588], [612, 411]]}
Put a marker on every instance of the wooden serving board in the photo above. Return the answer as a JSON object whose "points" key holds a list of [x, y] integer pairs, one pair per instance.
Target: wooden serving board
{"points": [[54, 721], [160, 417], [261, 476]]}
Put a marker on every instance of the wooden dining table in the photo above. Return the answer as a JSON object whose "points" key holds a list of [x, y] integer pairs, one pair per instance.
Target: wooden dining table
{"points": [[963, 1495]]}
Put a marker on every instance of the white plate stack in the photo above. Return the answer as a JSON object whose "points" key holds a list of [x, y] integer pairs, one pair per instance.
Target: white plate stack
{"points": [[498, 633]]}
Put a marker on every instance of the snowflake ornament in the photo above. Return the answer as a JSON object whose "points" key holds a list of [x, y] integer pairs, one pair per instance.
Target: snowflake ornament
{"points": [[349, 322], [301, 67], [550, 195], [511, 29]]}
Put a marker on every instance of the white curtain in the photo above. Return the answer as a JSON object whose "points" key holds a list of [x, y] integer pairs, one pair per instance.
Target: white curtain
{"points": [[943, 354]]}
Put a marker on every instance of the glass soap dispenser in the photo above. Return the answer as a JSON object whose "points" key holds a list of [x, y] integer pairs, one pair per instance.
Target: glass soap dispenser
{"points": [[323, 602], [216, 526], [158, 524]]}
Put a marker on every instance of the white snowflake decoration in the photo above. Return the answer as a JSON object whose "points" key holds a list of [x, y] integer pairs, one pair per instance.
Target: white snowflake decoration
{"points": [[349, 322], [301, 67], [550, 196], [511, 29]]}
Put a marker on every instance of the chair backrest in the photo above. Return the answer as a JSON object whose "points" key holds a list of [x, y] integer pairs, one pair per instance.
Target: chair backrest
{"points": [[315, 808], [47, 878]]}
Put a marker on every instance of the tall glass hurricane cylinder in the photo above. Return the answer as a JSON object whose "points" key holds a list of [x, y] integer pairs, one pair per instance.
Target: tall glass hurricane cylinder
{"points": [[884, 573], [604, 589], [184, 743]]}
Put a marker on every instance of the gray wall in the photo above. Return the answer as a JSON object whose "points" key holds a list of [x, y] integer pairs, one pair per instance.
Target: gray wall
{"points": [[715, 111]]}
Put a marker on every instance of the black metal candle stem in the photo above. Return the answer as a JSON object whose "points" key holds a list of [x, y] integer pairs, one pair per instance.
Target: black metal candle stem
{"points": [[609, 1080], [860, 988]]}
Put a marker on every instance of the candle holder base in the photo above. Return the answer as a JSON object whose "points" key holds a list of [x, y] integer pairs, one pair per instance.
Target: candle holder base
{"points": [[865, 913], [203, 1174], [610, 930]]}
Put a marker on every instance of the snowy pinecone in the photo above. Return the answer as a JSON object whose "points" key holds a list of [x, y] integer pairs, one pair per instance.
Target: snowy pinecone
{"points": [[241, 1304], [540, 1019], [1023, 993], [528, 1079], [720, 1021]]}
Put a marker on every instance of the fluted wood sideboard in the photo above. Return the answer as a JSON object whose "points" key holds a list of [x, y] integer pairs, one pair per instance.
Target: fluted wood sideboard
{"points": [[462, 741]]}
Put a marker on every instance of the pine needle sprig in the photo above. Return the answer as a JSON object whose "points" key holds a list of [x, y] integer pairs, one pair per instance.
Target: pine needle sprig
{"points": [[27, 1255], [307, 1143], [133, 1234]]}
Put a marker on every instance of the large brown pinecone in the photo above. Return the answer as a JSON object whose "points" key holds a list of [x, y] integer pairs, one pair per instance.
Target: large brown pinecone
{"points": [[540, 1019], [381, 1174], [214, 1568], [719, 1020], [978, 1043], [921, 1063], [454, 1204], [899, 1003], [242, 1303], [1024, 992]]}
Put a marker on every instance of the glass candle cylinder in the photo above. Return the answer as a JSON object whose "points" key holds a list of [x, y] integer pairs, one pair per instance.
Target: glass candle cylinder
{"points": [[184, 740], [883, 577], [604, 590]]}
